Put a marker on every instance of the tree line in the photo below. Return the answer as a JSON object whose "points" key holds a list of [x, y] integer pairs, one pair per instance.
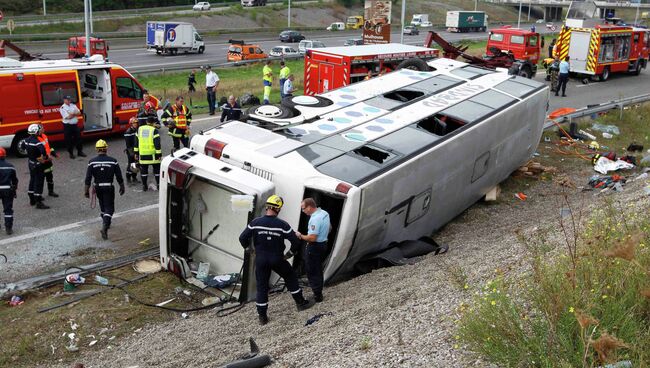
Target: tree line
{"points": [[20, 7]]}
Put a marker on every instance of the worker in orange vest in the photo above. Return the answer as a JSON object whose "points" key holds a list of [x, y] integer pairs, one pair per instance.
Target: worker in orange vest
{"points": [[48, 165], [178, 118]]}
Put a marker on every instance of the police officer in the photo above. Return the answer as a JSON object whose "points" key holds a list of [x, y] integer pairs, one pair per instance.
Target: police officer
{"points": [[48, 166], [148, 151], [36, 157], [102, 169], [8, 185], [318, 228], [268, 233], [129, 139], [178, 118]]}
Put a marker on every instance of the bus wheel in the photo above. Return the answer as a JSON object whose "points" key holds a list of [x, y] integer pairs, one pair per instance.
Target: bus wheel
{"points": [[307, 101], [18, 146], [605, 75], [269, 112], [414, 64]]}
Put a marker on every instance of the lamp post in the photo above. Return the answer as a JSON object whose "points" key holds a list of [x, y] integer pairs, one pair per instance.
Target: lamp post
{"points": [[289, 16], [401, 39], [87, 25], [44, 8], [519, 17]]}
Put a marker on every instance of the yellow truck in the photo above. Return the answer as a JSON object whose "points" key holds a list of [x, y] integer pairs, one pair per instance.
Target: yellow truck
{"points": [[354, 22]]}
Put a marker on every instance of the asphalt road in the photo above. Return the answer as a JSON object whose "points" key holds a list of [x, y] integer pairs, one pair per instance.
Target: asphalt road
{"points": [[132, 53]]}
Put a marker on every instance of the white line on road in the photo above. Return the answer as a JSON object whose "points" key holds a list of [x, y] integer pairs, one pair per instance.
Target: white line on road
{"points": [[74, 225]]}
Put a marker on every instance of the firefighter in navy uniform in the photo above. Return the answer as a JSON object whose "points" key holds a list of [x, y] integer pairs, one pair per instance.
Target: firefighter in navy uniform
{"points": [[8, 185], [36, 158], [129, 139], [177, 118], [103, 169], [269, 233], [48, 165], [148, 151]]}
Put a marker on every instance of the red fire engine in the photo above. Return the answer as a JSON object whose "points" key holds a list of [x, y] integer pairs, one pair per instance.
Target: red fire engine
{"points": [[33, 91], [603, 48], [333, 67], [77, 47]]}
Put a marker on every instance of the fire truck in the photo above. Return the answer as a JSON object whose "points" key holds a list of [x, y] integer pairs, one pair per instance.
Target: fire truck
{"points": [[333, 67], [77, 47], [602, 49], [32, 92]]}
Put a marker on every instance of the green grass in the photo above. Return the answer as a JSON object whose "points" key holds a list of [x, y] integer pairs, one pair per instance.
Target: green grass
{"points": [[233, 81], [584, 302]]}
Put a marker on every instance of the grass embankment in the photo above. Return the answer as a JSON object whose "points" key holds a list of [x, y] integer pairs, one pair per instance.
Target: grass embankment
{"points": [[233, 81], [584, 302]]}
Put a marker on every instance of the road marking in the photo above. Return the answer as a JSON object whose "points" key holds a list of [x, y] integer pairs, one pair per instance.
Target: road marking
{"points": [[74, 225]]}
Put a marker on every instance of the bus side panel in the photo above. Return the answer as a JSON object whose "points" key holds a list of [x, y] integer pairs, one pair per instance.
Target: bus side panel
{"points": [[451, 177], [51, 88], [19, 105], [127, 98]]}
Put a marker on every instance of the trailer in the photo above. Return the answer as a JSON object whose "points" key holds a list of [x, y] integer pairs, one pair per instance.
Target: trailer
{"points": [[466, 21], [173, 37], [391, 159], [603, 49], [333, 67]]}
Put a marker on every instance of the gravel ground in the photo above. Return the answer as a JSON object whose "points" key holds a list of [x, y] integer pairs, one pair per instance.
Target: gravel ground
{"points": [[401, 316]]}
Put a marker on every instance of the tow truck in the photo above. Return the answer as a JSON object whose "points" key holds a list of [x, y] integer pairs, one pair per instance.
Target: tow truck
{"points": [[22, 54], [516, 49]]}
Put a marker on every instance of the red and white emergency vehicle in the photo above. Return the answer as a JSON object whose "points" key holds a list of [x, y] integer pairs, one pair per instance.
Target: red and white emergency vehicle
{"points": [[32, 92], [332, 67], [602, 49]]}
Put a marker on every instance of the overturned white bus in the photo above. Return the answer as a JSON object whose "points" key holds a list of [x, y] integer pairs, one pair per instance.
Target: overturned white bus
{"points": [[391, 159]]}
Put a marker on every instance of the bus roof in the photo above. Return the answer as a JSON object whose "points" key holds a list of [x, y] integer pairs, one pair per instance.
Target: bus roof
{"points": [[365, 50]]}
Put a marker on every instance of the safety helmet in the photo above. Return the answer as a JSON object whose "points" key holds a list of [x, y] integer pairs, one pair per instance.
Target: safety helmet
{"points": [[33, 129], [101, 145], [275, 202], [3, 153]]}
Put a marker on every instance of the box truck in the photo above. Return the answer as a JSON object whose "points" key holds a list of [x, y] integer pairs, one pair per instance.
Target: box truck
{"points": [[466, 21], [172, 37]]}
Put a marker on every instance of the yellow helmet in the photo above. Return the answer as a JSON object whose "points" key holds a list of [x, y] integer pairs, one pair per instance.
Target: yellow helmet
{"points": [[101, 145], [275, 201]]}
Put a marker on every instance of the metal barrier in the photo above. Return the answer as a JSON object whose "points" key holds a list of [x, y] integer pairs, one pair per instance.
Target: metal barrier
{"points": [[594, 109], [147, 70]]}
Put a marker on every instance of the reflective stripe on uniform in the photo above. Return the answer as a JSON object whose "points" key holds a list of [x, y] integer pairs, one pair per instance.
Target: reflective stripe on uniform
{"points": [[261, 304], [295, 292], [269, 228], [104, 184], [5, 186]]}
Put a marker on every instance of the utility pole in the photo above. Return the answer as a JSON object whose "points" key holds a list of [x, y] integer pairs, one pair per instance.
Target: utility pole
{"points": [[519, 17], [44, 8], [87, 25], [401, 39], [289, 16], [475, 5], [90, 11], [529, 6]]}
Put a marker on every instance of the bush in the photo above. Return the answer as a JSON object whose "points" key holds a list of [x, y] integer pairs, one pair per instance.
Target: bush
{"points": [[589, 306]]}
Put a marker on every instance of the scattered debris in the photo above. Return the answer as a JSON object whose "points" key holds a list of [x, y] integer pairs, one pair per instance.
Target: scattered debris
{"points": [[71, 281], [493, 194], [101, 280], [534, 169], [602, 182], [633, 147], [604, 165], [184, 315], [165, 302], [16, 301], [92, 343], [611, 129], [211, 300], [252, 359], [641, 176], [521, 196], [564, 180], [607, 135], [147, 266], [317, 317], [588, 135]]}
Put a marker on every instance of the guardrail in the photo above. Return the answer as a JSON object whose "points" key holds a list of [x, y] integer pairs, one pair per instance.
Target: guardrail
{"points": [[602, 107], [172, 68]]}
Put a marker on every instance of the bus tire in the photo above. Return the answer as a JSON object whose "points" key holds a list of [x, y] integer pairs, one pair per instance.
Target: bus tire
{"points": [[282, 112], [604, 75], [414, 64], [295, 101], [16, 146]]}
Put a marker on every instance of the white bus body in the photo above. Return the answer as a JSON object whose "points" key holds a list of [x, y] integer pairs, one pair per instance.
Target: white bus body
{"points": [[393, 158]]}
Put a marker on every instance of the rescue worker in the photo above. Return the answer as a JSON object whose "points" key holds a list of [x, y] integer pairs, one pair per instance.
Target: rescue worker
{"points": [[102, 170], [178, 118], [284, 75], [148, 151], [48, 166], [36, 157], [317, 231], [554, 72], [129, 139], [268, 234], [267, 79], [8, 186], [191, 81], [563, 77], [551, 48], [150, 104], [231, 110]]}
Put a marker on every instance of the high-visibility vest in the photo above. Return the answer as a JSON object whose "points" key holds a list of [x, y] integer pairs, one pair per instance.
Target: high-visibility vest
{"points": [[146, 147], [267, 70], [284, 72], [46, 143], [180, 116]]}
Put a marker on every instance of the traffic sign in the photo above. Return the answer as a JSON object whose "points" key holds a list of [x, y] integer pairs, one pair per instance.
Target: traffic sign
{"points": [[11, 25]]}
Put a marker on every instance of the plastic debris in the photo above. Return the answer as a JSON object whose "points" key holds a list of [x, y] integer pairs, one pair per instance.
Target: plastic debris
{"points": [[604, 165], [16, 301], [588, 135], [315, 318], [612, 129], [92, 343], [607, 135], [101, 280], [642, 176], [184, 315], [602, 182]]}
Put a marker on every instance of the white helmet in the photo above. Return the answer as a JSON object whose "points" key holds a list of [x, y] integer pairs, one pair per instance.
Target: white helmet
{"points": [[33, 129]]}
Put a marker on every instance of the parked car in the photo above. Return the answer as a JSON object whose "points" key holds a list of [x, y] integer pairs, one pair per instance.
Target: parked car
{"points": [[291, 36], [411, 30], [283, 51], [203, 5], [309, 44], [353, 42]]}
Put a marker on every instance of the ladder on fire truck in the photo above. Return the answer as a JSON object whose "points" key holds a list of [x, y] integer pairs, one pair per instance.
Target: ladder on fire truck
{"points": [[22, 54]]}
